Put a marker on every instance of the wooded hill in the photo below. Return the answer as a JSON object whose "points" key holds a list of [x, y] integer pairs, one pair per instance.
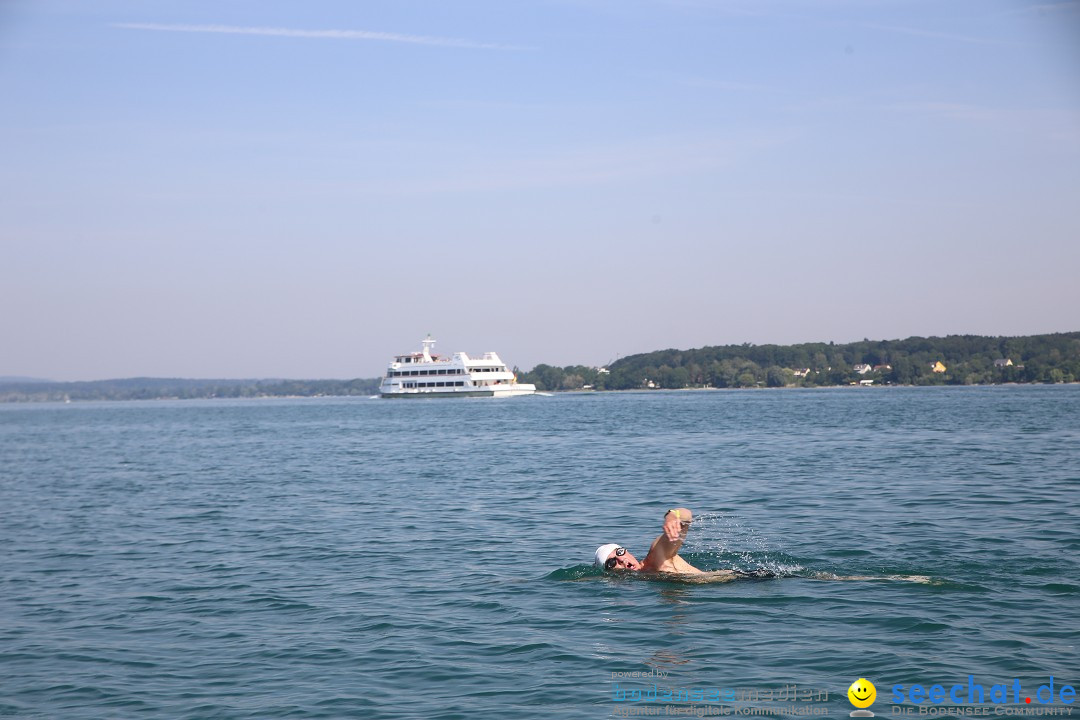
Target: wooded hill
{"points": [[966, 359]]}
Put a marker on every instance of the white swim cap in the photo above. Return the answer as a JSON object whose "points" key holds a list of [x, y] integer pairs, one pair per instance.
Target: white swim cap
{"points": [[602, 553]]}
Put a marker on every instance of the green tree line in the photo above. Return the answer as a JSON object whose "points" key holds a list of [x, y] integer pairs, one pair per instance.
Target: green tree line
{"points": [[968, 360], [172, 388]]}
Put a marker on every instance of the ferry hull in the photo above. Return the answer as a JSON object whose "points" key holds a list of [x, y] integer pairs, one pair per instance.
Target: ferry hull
{"points": [[513, 391], [414, 394]]}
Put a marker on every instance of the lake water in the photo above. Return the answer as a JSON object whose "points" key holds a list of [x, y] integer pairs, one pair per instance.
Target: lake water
{"points": [[336, 558]]}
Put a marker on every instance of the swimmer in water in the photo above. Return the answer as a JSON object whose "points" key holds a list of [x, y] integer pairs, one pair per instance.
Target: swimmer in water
{"points": [[663, 555]]}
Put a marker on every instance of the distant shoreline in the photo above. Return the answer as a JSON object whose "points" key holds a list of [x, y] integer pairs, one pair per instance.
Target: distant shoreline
{"points": [[51, 398], [955, 360]]}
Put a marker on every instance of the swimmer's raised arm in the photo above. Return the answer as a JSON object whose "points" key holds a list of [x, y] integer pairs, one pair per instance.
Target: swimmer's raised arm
{"points": [[664, 554], [676, 522]]}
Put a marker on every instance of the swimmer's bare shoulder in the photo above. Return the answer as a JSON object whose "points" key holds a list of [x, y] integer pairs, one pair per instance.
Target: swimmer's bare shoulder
{"points": [[679, 566]]}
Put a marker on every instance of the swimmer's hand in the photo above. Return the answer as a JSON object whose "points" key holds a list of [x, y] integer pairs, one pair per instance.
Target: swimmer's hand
{"points": [[675, 523]]}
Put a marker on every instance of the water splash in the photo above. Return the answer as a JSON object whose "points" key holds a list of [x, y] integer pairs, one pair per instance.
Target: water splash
{"points": [[722, 541]]}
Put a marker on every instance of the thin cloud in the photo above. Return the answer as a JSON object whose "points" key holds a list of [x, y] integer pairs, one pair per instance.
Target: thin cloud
{"points": [[320, 34], [1058, 127], [641, 160], [933, 34], [1045, 8], [708, 83]]}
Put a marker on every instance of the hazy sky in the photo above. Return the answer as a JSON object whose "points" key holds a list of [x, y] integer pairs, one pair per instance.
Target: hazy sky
{"points": [[301, 189]]}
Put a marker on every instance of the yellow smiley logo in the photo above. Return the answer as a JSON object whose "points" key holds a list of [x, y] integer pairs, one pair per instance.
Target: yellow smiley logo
{"points": [[862, 693]]}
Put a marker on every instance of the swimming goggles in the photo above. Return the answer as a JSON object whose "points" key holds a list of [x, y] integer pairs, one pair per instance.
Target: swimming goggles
{"points": [[611, 562]]}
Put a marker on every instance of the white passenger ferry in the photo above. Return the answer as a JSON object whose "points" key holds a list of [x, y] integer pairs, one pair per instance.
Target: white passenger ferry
{"points": [[424, 374]]}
